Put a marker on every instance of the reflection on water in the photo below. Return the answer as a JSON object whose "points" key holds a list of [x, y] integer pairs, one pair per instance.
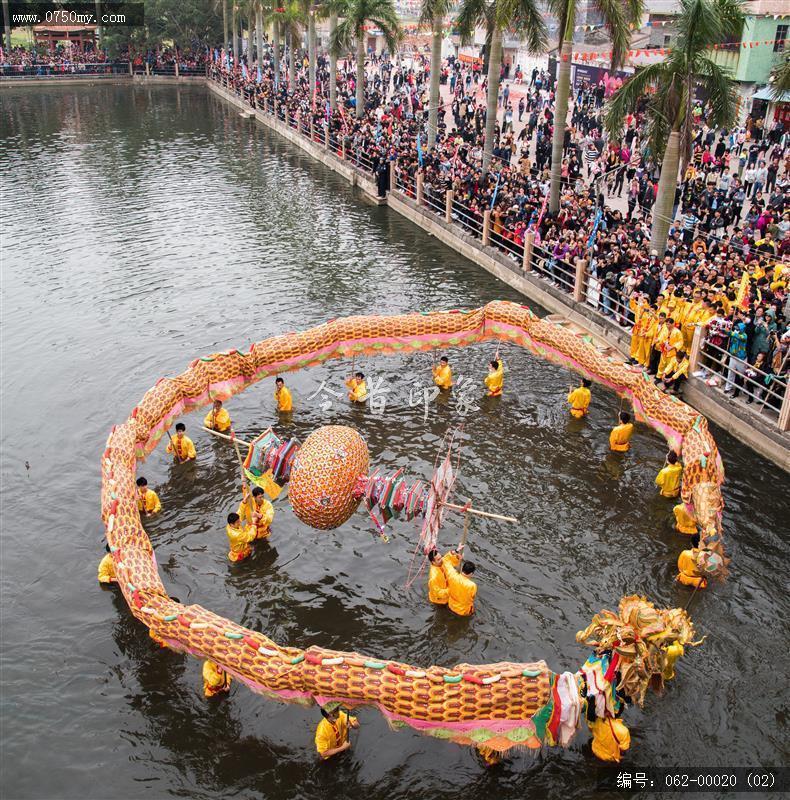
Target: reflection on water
{"points": [[146, 226]]}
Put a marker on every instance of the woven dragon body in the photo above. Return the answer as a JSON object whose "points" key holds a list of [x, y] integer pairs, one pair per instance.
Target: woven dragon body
{"points": [[496, 705]]}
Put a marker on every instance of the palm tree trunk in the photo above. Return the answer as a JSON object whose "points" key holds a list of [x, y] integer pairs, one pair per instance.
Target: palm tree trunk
{"points": [[7, 25], [292, 61], [250, 39], [259, 33], [560, 123], [665, 198], [436, 60], [276, 51], [311, 50], [235, 25], [494, 66], [332, 63], [99, 28], [225, 24], [360, 109]]}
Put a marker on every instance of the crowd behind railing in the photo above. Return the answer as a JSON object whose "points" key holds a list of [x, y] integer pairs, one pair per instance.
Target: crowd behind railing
{"points": [[64, 60]]}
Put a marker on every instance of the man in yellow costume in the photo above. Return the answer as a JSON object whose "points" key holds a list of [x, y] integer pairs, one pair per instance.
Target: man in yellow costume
{"points": [[239, 537], [668, 479], [647, 336], [182, 447], [640, 307], [215, 679], [689, 571], [107, 568], [438, 591], [283, 397], [257, 511], [676, 370], [579, 398], [331, 735], [684, 522], [218, 418], [461, 589], [442, 374], [495, 379], [620, 437], [671, 343], [147, 499], [357, 388], [657, 346]]}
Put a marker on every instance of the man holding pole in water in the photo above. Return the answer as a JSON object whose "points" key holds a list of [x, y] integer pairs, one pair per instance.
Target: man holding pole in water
{"points": [[283, 397], [443, 375], [182, 447], [495, 379], [218, 418], [332, 733], [579, 398], [438, 592], [461, 589], [256, 510]]}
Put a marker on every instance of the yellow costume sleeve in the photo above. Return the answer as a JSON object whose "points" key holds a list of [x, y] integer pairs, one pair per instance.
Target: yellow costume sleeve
{"points": [[190, 448]]}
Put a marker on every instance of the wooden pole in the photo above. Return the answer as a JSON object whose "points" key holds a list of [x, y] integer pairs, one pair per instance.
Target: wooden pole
{"points": [[226, 437], [478, 513], [175, 452], [464, 534]]}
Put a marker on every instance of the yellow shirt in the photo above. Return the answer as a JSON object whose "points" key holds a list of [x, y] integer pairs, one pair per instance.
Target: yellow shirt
{"points": [[443, 376], [673, 341], [668, 480], [239, 539], [495, 380], [265, 509], [107, 569], [219, 421], [148, 502], [438, 592], [684, 522], [184, 448], [579, 398], [620, 437], [358, 390], [328, 736], [461, 590], [284, 400]]}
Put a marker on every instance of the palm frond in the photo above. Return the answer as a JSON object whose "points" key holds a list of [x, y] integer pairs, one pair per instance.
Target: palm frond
{"points": [[780, 79], [719, 86], [528, 20], [471, 14], [625, 99]]}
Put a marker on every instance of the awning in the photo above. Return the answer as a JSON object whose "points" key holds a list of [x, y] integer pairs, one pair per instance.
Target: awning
{"points": [[766, 94]]}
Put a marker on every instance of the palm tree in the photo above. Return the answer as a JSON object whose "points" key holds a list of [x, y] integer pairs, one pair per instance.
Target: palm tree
{"points": [[225, 24], [497, 16], [780, 79], [234, 21], [290, 23], [7, 25], [332, 9], [356, 14], [669, 88], [618, 17], [259, 30], [250, 14], [433, 13]]}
